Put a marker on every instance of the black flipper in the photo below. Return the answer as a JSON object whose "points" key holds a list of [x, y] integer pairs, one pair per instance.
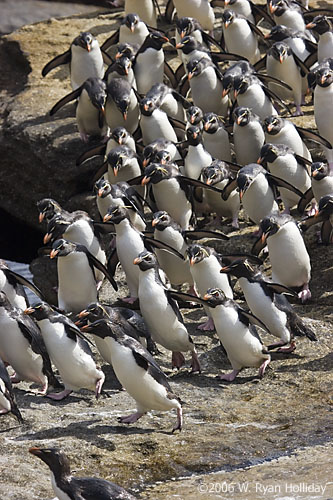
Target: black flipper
{"points": [[96, 263], [305, 200], [68, 98], [64, 58], [23, 281], [231, 186], [277, 181], [312, 136], [201, 234], [91, 153], [112, 40], [326, 232], [168, 71], [162, 246]]}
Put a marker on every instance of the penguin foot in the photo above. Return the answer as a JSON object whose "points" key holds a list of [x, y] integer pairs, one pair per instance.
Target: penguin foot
{"points": [[178, 359], [229, 377], [263, 367], [289, 349], [179, 425], [304, 294], [58, 396], [298, 111], [43, 391], [312, 210], [129, 300], [84, 137], [207, 326], [195, 364], [235, 222], [130, 419], [99, 385], [15, 379]]}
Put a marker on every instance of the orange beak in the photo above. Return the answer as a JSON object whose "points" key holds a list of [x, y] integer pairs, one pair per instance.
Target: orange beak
{"points": [[41, 217], [225, 92], [106, 218], [54, 253], [145, 181], [263, 238], [47, 238], [137, 260], [29, 310], [190, 76]]}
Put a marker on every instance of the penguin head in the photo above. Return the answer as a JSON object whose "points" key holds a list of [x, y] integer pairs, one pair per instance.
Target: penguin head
{"points": [[155, 172], [216, 172], [241, 83], [269, 153], [197, 253], [120, 90], [242, 116], [215, 297], [188, 44], [39, 311], [186, 26], [246, 175], [93, 312], [145, 260], [228, 17], [147, 106], [277, 7], [131, 21], [102, 188], [161, 220], [103, 328], [123, 65], [319, 170], [62, 247], [126, 49], [196, 66], [194, 115], [320, 24], [324, 76], [116, 214], [156, 39], [120, 135], [47, 208], [272, 124], [194, 135], [55, 459], [85, 40], [96, 89], [279, 33], [239, 268], [118, 157], [56, 228], [163, 157], [269, 226], [325, 206], [211, 122], [280, 51]]}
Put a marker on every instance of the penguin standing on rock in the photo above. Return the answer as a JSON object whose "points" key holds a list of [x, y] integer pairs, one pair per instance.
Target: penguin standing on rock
{"points": [[69, 352], [138, 373], [84, 488], [7, 398]]}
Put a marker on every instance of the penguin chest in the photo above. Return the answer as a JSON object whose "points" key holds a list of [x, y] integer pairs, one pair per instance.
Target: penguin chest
{"points": [[288, 72], [206, 91], [87, 116], [325, 46], [218, 145], [85, 65], [287, 168], [258, 199], [170, 197], [177, 270], [149, 69], [147, 392], [223, 208], [323, 187], [196, 159], [242, 346], [129, 244], [248, 141], [206, 274], [76, 282], [323, 111], [255, 99], [61, 495], [156, 126], [239, 39], [262, 306]]}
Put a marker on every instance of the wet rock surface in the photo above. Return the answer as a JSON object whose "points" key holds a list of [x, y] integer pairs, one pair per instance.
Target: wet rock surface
{"points": [[271, 431]]}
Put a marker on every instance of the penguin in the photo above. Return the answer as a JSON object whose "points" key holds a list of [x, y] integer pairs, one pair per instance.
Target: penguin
{"points": [[128, 319], [146, 9], [138, 373], [282, 63], [85, 59], [194, 116], [246, 8], [205, 264], [288, 13], [240, 36], [255, 183], [323, 107], [252, 93], [66, 486], [236, 330], [154, 123], [248, 135], [12, 283], [132, 30], [48, 208], [123, 164], [197, 156], [323, 27], [7, 397], [218, 174], [22, 347], [321, 185], [90, 109], [268, 302], [206, 86], [199, 9], [288, 255], [76, 276], [285, 164], [190, 49], [161, 313], [215, 137], [149, 152], [149, 62], [69, 352], [170, 101], [122, 67], [122, 107], [123, 194], [299, 43], [324, 214], [190, 26]]}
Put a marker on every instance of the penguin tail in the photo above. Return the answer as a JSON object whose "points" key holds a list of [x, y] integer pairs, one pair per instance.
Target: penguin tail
{"points": [[16, 412], [303, 330]]}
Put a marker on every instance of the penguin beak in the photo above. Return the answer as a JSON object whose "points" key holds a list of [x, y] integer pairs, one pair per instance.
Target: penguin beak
{"points": [[190, 75], [309, 26], [35, 451], [132, 27], [281, 58], [100, 193], [271, 8], [192, 261], [239, 120], [146, 107], [83, 313], [315, 173], [28, 310], [263, 237], [316, 212], [115, 171], [259, 160], [137, 260], [267, 36], [154, 222], [165, 38], [54, 253], [236, 92], [194, 135], [179, 45], [145, 181], [41, 217], [182, 34], [225, 92], [269, 127], [47, 238], [106, 218], [207, 296], [125, 115], [206, 126], [226, 24], [241, 194], [145, 162], [88, 47], [323, 79], [224, 269], [118, 55], [209, 182]]}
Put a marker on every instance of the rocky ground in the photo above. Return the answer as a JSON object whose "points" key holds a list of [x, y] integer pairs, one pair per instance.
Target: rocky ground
{"points": [[251, 439]]}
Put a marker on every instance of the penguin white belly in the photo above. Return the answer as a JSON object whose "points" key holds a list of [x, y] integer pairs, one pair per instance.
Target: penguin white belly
{"points": [[177, 270], [87, 116], [156, 126], [14, 298], [114, 118], [206, 274], [77, 368], [85, 64], [206, 90], [199, 9], [243, 8], [76, 282], [258, 200], [149, 69], [173, 108], [289, 257], [263, 307], [248, 141], [289, 73], [255, 99], [287, 168], [218, 145], [162, 322], [292, 19], [242, 347], [4, 402], [129, 245], [16, 351], [137, 37], [145, 10], [239, 39], [103, 349], [196, 159], [227, 208], [322, 188], [171, 198], [323, 111], [147, 392], [61, 495], [325, 46], [81, 232], [291, 138]]}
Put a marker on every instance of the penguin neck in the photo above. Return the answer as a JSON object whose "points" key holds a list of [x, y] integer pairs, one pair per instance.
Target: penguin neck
{"points": [[60, 483], [124, 226]]}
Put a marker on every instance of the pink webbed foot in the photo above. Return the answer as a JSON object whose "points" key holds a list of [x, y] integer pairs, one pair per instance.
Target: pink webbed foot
{"points": [[207, 326], [43, 391], [312, 210], [263, 367], [298, 111], [129, 300], [99, 385], [195, 364], [177, 360], [130, 419], [288, 349], [179, 425], [84, 137], [304, 294], [235, 222], [58, 396], [229, 377]]}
